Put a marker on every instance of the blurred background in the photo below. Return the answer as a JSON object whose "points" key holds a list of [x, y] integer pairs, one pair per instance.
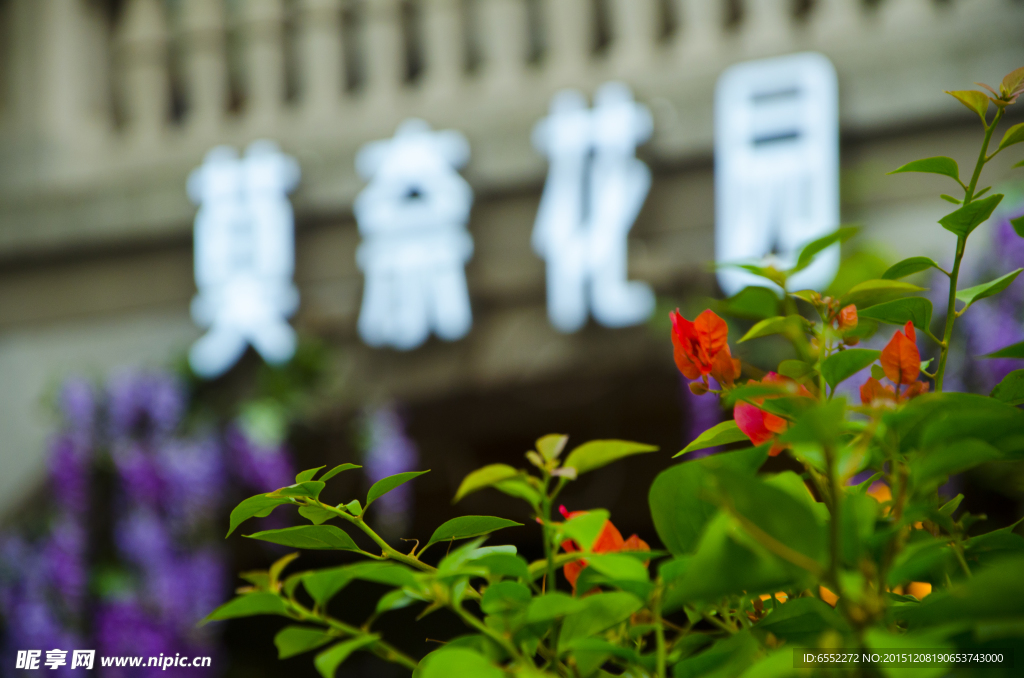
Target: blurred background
{"points": [[118, 465]]}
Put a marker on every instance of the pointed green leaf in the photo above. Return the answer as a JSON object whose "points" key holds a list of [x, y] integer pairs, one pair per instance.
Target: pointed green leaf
{"points": [[909, 266], [259, 506], [456, 662], [307, 475], [974, 100], [949, 198], [1011, 351], [600, 611], [336, 470], [779, 324], [467, 527], [599, 453], [551, 445], [719, 434], [752, 302], [964, 220], [1011, 389], [972, 294], [316, 515], [484, 477], [795, 369], [816, 247], [504, 565], [322, 585], [248, 605], [899, 311], [552, 606], [1018, 164], [1018, 225], [1014, 135], [317, 537], [385, 485], [309, 488], [839, 367], [293, 640], [619, 567], [585, 529], [506, 596], [938, 165], [354, 507], [873, 292], [328, 661]]}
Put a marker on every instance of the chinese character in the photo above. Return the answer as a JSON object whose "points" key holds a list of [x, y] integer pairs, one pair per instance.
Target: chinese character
{"points": [[244, 256], [55, 658], [593, 193], [776, 168], [28, 659], [412, 217], [83, 658]]}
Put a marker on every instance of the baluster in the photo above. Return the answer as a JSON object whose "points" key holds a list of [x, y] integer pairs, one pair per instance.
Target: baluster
{"points": [[767, 25], [64, 80], [322, 62], [701, 27], [206, 73], [505, 41], [907, 16], [837, 18], [384, 49], [143, 57], [443, 45], [634, 31], [569, 29], [262, 23]]}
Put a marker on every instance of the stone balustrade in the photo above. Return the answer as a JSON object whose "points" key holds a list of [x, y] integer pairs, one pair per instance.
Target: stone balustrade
{"points": [[101, 120]]}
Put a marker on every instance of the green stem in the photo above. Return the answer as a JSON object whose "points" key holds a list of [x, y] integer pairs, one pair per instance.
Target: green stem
{"points": [[961, 243], [659, 633], [835, 522], [545, 519], [500, 639], [388, 551], [381, 648]]}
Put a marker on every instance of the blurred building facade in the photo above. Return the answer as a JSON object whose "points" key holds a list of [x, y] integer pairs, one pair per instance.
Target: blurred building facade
{"points": [[106, 106]]}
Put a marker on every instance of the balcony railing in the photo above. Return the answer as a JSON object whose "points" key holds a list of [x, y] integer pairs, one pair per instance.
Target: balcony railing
{"points": [[103, 112]]}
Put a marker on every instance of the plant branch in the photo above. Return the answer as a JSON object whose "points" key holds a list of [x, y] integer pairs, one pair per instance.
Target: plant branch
{"points": [[381, 648]]}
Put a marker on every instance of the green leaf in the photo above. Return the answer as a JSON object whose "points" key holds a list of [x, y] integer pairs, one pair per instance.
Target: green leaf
{"points": [[551, 445], [777, 325], [457, 661], [328, 661], [795, 369], [259, 506], [815, 247], [974, 100], [729, 657], [317, 537], [484, 477], [800, 621], [520, 489], [336, 470], [1014, 135], [1011, 351], [293, 640], [551, 606], [972, 294], [248, 605], [677, 499], [840, 366], [599, 612], [585, 529], [878, 372], [599, 453], [467, 527], [898, 311], [619, 567], [993, 592], [752, 302], [956, 457], [902, 269], [970, 216], [1018, 164], [307, 475], [1011, 389], [719, 434], [315, 514], [873, 292], [309, 488], [504, 565], [949, 198], [505, 596], [274, 573], [1018, 224], [322, 585], [354, 507], [385, 485], [940, 164]]}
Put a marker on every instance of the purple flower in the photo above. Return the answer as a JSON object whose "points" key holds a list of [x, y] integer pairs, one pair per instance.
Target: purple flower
{"points": [[144, 403], [193, 475], [260, 467], [78, 404], [389, 451], [70, 468], [702, 412]]}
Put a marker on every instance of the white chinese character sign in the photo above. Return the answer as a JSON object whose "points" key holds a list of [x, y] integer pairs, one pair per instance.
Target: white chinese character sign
{"points": [[594, 190], [412, 216], [244, 244], [776, 167]]}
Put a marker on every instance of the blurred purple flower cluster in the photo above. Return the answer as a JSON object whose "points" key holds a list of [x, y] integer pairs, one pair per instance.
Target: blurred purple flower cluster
{"points": [[387, 450], [163, 567]]}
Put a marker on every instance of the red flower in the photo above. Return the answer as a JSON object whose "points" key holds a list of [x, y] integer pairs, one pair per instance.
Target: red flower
{"points": [[901, 362], [701, 348], [761, 426], [609, 541], [846, 319]]}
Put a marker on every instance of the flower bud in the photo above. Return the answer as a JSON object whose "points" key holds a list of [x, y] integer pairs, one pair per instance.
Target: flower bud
{"points": [[847, 318], [698, 388]]}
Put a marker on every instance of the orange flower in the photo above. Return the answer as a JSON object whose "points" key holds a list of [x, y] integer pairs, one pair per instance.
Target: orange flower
{"points": [[701, 348], [846, 319], [609, 541], [901, 362], [761, 426]]}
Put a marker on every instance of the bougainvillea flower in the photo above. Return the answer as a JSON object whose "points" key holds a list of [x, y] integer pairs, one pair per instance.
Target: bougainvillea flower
{"points": [[701, 348], [761, 426], [901, 362], [609, 541], [846, 319]]}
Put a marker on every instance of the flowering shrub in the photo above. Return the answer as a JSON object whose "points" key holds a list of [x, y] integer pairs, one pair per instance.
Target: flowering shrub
{"points": [[858, 551]]}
